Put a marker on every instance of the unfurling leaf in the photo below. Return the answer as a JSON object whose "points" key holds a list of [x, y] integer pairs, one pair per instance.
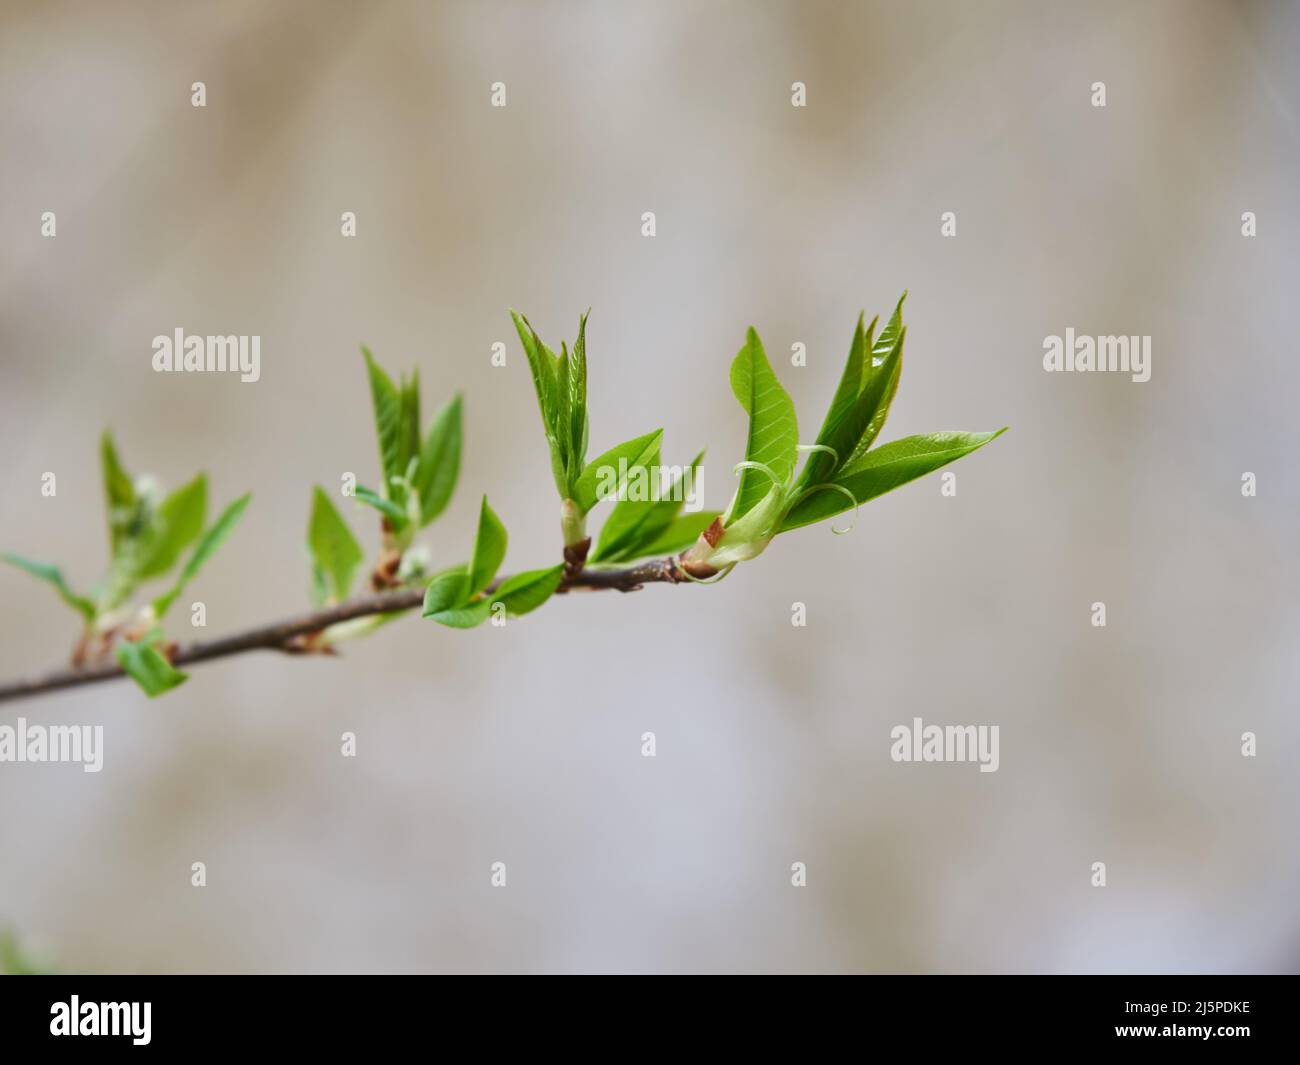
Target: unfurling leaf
{"points": [[119, 493], [878, 394], [408, 438], [884, 469], [578, 422], [552, 400], [206, 548], [175, 525], [54, 576], [387, 403], [334, 550], [395, 514], [148, 666], [862, 400]]}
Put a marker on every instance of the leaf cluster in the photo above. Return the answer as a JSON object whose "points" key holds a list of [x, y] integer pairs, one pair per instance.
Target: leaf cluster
{"points": [[148, 533]]}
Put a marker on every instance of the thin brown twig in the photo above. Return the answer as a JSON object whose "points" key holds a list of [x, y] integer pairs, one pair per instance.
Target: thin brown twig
{"points": [[287, 635]]}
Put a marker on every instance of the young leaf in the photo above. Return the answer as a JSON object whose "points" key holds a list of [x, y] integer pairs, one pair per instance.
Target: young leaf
{"points": [[333, 547], [773, 429], [387, 403], [176, 524], [489, 549], [634, 524], [877, 397], [446, 592], [545, 367], [525, 592], [395, 514], [821, 465], [148, 667], [449, 601], [542, 363], [561, 431], [683, 532], [435, 477], [409, 435], [468, 616], [578, 423], [119, 493], [886, 468], [605, 476], [619, 533], [885, 342], [206, 548], [320, 591], [52, 575]]}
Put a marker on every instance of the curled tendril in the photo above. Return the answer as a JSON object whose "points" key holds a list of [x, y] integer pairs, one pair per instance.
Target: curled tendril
{"points": [[836, 488], [835, 455], [715, 579], [762, 467]]}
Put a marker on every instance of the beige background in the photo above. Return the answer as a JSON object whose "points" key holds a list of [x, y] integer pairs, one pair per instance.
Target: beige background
{"points": [[522, 744]]}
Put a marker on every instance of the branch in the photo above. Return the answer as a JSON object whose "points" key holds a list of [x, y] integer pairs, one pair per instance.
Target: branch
{"points": [[290, 636]]}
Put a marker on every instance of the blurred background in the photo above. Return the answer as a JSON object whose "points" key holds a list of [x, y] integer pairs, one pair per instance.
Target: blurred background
{"points": [[522, 744]]}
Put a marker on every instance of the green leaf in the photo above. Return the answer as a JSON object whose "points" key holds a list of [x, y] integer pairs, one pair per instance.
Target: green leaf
{"points": [[884, 469], [119, 494], [773, 429], [449, 601], [395, 514], [890, 334], [820, 465], [409, 435], [435, 477], [320, 592], [561, 431], [877, 397], [633, 525], [175, 525], [605, 476], [464, 617], [545, 367], [867, 388], [446, 592], [630, 514], [333, 547], [489, 549], [683, 532], [148, 667], [206, 548], [387, 403], [525, 592], [578, 423], [52, 575]]}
